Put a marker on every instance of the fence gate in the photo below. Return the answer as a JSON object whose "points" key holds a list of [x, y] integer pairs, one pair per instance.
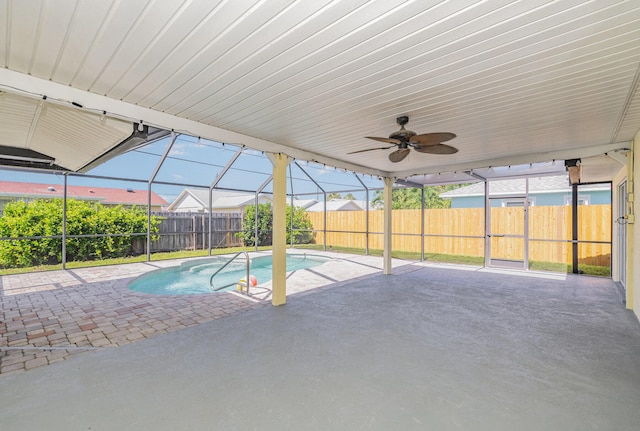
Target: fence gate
{"points": [[508, 232]]}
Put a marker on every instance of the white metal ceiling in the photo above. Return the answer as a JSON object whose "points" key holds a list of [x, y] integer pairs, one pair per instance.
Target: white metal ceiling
{"points": [[517, 81], [71, 136]]}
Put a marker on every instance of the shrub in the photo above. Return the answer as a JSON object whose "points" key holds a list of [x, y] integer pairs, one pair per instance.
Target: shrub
{"points": [[301, 226], [43, 218]]}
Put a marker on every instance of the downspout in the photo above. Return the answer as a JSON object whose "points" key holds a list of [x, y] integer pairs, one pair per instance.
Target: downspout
{"points": [[631, 243]]}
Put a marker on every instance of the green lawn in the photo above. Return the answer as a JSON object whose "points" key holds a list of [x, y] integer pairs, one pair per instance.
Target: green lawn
{"points": [[133, 259], [601, 271]]}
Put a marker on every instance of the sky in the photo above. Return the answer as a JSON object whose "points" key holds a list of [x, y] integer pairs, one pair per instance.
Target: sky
{"points": [[196, 161]]}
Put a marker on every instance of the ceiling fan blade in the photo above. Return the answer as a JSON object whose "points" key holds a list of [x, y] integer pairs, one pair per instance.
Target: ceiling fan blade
{"points": [[436, 149], [399, 155], [432, 138], [371, 149], [387, 140]]}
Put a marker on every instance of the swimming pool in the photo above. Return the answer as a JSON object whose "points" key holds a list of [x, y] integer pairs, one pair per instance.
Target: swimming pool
{"points": [[193, 277]]}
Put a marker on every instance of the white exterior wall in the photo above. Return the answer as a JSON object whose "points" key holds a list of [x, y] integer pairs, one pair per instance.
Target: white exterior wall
{"points": [[188, 204], [615, 200], [633, 274]]}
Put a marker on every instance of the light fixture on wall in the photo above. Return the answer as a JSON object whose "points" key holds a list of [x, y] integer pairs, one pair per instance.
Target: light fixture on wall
{"points": [[574, 168]]}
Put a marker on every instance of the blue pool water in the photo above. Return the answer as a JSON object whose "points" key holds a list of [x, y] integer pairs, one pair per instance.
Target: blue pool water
{"points": [[193, 276]]}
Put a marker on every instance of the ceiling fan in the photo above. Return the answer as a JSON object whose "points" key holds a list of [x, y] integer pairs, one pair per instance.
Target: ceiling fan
{"points": [[404, 140]]}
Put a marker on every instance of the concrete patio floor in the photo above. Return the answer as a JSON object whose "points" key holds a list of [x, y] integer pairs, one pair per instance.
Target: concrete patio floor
{"points": [[430, 347]]}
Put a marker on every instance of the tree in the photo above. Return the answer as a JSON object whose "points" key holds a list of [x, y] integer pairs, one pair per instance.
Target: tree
{"points": [[410, 198], [334, 195], [265, 221], [350, 197], [302, 228]]}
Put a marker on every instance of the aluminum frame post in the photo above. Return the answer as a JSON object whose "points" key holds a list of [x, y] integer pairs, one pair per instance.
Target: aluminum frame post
{"points": [[213, 185], [64, 223], [526, 224], [487, 216], [324, 194], [174, 136], [574, 229], [487, 225], [291, 209], [422, 224], [257, 201], [366, 237], [210, 238]]}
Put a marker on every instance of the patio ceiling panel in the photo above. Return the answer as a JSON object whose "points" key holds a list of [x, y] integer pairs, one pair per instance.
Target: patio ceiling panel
{"points": [[68, 135], [516, 81]]}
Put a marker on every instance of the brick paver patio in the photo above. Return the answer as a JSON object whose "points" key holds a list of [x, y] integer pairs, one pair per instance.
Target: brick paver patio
{"points": [[47, 317]]}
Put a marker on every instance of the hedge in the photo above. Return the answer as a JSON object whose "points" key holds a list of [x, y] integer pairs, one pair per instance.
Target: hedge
{"points": [[43, 218]]}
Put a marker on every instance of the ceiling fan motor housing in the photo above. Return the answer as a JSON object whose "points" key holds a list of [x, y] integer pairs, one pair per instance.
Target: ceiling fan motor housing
{"points": [[403, 134]]}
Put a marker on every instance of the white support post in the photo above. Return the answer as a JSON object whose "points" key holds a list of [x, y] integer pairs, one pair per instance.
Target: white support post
{"points": [[388, 207], [279, 255]]}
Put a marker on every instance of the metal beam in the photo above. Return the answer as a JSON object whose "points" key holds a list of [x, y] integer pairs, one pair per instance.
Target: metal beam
{"points": [[476, 176], [226, 167], [20, 83], [214, 184], [409, 183], [535, 157]]}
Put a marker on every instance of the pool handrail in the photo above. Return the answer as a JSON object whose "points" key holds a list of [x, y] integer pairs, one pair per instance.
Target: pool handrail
{"points": [[247, 282]]}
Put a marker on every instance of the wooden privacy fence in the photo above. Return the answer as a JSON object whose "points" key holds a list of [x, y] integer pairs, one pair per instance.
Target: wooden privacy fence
{"points": [[460, 231], [188, 231]]}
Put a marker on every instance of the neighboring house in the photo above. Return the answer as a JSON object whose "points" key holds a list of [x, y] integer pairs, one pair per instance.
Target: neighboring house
{"points": [[338, 205], [304, 203], [543, 191], [197, 200], [14, 191]]}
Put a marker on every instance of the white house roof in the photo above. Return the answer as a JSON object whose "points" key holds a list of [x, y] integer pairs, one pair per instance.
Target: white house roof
{"points": [[518, 82], [220, 199], [538, 185], [304, 203], [336, 205]]}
